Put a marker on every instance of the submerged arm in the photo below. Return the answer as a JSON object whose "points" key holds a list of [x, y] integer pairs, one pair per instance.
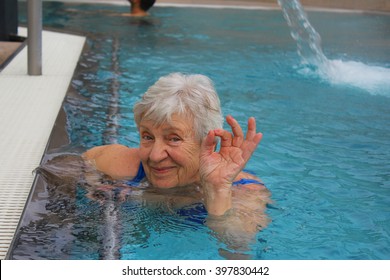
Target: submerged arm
{"points": [[236, 213], [238, 227]]}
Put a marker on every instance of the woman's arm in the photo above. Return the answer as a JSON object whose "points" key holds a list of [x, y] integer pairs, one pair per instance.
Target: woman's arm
{"points": [[236, 213], [219, 169], [238, 227]]}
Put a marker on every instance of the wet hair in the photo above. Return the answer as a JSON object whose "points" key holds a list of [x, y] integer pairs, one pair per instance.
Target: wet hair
{"points": [[190, 96], [146, 4]]}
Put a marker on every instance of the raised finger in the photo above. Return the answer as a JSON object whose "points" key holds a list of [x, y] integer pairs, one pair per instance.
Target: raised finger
{"points": [[238, 135], [251, 133], [226, 137]]}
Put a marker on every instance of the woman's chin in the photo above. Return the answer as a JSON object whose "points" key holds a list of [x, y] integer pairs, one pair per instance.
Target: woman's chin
{"points": [[163, 185]]}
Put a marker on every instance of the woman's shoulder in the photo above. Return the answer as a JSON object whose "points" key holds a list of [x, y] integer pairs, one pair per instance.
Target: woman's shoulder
{"points": [[115, 160], [111, 149]]}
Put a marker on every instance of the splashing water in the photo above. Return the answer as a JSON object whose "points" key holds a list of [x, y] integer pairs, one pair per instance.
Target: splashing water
{"points": [[370, 78]]}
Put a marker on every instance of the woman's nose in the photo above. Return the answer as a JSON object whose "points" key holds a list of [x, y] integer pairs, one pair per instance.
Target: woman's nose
{"points": [[158, 151]]}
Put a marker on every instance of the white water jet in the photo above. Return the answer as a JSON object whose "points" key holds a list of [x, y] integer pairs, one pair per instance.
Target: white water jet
{"points": [[373, 79]]}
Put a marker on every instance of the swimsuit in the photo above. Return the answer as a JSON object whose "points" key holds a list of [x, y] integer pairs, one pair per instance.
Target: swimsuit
{"points": [[138, 178], [194, 213], [141, 175]]}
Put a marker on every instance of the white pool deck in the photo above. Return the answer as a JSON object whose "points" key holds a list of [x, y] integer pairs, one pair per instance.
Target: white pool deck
{"points": [[29, 107]]}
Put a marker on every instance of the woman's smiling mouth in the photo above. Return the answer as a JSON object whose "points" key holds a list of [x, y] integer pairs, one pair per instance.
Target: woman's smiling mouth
{"points": [[161, 170]]}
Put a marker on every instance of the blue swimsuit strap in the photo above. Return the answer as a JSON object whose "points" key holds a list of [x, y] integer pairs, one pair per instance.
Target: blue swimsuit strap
{"points": [[139, 177], [140, 174], [247, 181]]}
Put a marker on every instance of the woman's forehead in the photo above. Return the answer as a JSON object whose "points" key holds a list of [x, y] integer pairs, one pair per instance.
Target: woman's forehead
{"points": [[176, 121]]}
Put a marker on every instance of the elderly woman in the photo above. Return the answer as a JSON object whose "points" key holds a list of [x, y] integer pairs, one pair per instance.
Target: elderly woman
{"points": [[180, 121]]}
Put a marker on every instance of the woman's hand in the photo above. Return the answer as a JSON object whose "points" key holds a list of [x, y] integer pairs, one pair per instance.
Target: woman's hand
{"points": [[218, 169]]}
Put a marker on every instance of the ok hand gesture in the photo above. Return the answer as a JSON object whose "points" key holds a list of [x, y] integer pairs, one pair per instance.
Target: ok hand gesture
{"points": [[218, 169]]}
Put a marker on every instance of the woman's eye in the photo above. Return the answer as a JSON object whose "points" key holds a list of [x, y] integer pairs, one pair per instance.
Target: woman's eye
{"points": [[146, 137], [174, 139]]}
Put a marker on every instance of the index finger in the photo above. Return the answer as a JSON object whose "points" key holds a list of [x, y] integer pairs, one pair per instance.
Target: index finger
{"points": [[238, 134]]}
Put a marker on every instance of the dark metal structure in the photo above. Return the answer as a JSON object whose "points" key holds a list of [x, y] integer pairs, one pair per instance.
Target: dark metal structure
{"points": [[8, 19]]}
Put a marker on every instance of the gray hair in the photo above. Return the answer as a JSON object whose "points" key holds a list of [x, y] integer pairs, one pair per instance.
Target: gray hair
{"points": [[185, 95]]}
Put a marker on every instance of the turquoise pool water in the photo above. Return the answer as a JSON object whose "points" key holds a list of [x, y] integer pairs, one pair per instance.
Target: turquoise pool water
{"points": [[325, 155]]}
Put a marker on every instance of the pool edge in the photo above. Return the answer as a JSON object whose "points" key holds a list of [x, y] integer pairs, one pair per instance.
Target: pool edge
{"points": [[31, 105]]}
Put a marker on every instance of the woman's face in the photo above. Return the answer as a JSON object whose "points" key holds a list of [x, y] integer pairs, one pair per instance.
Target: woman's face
{"points": [[169, 152]]}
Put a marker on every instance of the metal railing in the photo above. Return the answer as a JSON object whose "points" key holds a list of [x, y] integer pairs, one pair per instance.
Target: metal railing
{"points": [[34, 37]]}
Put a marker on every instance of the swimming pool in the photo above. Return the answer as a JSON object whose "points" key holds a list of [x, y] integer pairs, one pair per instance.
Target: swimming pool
{"points": [[325, 155]]}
